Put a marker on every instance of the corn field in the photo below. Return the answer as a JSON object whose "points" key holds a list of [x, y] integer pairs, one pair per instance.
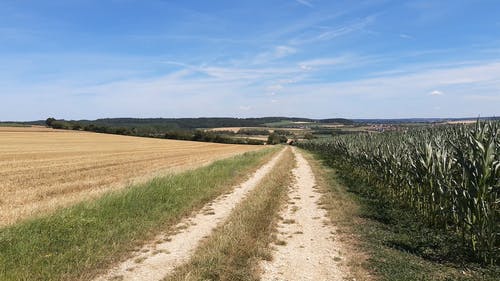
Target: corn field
{"points": [[449, 175]]}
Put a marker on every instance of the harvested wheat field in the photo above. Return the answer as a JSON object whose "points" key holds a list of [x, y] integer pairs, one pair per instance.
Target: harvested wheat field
{"points": [[43, 169]]}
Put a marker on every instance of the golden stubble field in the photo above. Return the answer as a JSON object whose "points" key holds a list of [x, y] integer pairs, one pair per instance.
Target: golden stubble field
{"points": [[43, 169]]}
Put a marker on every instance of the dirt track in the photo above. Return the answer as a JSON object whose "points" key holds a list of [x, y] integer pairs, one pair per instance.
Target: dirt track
{"points": [[306, 251], [310, 253], [159, 257]]}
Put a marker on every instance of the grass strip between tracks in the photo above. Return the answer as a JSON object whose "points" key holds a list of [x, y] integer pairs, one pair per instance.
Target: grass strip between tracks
{"points": [[77, 243], [232, 252]]}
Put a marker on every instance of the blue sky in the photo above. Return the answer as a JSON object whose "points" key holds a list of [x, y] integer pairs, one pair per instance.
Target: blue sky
{"points": [[89, 59]]}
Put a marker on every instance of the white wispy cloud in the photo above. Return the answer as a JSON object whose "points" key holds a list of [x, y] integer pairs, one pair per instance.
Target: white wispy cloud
{"points": [[405, 36], [320, 62], [436, 93], [283, 51], [275, 87], [460, 80], [330, 33], [219, 88], [305, 3], [241, 71], [172, 95], [277, 52]]}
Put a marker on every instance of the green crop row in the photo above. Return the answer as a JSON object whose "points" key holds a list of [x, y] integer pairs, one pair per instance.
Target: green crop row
{"points": [[449, 175]]}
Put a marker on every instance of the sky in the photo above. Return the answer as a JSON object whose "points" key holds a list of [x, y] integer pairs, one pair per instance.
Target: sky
{"points": [[88, 59]]}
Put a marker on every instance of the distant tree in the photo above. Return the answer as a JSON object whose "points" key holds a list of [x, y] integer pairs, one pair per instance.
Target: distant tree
{"points": [[152, 131], [283, 139], [49, 121], [76, 126], [122, 131], [275, 138], [198, 135], [308, 136], [283, 132], [60, 124], [249, 131], [254, 142], [89, 127]]}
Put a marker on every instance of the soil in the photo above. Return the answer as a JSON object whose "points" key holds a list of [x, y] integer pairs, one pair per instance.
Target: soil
{"points": [[306, 248]]}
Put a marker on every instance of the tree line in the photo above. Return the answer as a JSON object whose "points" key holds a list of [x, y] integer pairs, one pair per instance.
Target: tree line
{"points": [[152, 131]]}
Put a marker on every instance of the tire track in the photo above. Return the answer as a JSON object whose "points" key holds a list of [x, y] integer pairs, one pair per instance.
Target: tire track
{"points": [[308, 250], [158, 258]]}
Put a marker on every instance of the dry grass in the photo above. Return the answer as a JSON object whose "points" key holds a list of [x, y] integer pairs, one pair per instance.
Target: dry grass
{"points": [[43, 169]]}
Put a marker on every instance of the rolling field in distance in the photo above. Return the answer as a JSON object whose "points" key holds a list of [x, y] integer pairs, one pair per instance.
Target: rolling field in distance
{"points": [[44, 169]]}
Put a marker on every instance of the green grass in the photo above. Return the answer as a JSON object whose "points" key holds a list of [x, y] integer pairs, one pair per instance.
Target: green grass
{"points": [[75, 243], [233, 251], [396, 244]]}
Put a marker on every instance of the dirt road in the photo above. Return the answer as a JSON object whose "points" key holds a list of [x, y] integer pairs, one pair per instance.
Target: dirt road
{"points": [[159, 257], [306, 249], [310, 252]]}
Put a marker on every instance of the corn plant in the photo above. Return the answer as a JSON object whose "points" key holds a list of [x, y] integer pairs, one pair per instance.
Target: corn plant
{"points": [[450, 175]]}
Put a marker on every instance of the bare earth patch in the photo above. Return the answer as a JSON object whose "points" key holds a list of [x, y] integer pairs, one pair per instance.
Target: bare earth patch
{"points": [[158, 258], [306, 248]]}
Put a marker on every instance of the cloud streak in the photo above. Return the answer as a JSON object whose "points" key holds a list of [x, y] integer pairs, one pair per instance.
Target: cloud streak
{"points": [[405, 36], [278, 52], [330, 33], [305, 3]]}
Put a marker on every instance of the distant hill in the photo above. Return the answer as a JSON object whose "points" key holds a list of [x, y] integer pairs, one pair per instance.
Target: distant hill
{"points": [[22, 123], [220, 122], [421, 120], [194, 123], [336, 120]]}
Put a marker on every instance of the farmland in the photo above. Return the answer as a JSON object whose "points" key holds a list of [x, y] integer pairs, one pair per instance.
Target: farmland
{"points": [[274, 209], [283, 140], [449, 176], [44, 169], [77, 242]]}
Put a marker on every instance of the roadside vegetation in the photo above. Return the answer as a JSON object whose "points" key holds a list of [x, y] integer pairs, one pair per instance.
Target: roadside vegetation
{"points": [[75, 243], [428, 198], [234, 249]]}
